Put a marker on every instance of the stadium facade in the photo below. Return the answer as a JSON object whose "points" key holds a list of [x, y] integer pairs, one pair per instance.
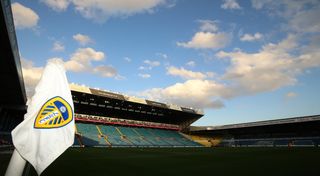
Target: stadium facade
{"points": [[297, 131], [105, 118], [12, 91]]}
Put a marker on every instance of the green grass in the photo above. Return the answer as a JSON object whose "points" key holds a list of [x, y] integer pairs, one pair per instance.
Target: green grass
{"points": [[182, 161]]}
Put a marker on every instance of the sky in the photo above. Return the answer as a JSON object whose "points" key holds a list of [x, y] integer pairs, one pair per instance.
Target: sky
{"points": [[238, 60]]}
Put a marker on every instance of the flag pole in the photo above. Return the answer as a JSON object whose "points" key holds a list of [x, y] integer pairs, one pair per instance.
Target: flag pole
{"points": [[27, 169], [16, 165]]}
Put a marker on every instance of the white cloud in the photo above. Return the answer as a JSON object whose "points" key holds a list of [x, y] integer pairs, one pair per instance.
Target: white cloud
{"points": [[273, 67], [290, 95], [230, 4], [145, 76], [310, 54], [251, 37], [80, 61], [127, 59], [58, 46], [191, 63], [164, 56], [285, 8], [258, 4], [24, 17], [82, 39], [276, 65], [144, 68], [105, 71], [210, 74], [186, 74], [101, 9], [206, 40], [149, 65], [192, 93], [208, 37], [302, 16], [31, 75], [152, 63], [57, 5], [208, 26], [306, 20], [120, 77]]}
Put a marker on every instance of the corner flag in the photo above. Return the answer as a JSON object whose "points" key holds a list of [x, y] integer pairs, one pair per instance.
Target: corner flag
{"points": [[48, 126]]}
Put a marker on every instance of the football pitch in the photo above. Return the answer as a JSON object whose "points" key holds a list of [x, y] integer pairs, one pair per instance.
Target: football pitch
{"points": [[181, 161]]}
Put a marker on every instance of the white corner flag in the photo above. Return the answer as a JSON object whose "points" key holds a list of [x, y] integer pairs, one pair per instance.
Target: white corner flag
{"points": [[48, 126]]}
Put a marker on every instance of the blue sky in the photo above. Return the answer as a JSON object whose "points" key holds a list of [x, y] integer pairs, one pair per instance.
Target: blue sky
{"points": [[240, 61]]}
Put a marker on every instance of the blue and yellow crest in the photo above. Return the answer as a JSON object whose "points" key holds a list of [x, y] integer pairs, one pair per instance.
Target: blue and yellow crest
{"points": [[55, 113]]}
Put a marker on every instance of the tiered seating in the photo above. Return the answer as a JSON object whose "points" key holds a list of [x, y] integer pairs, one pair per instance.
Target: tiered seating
{"points": [[226, 143], [133, 137], [249, 142], [106, 135], [5, 138], [265, 143], [317, 142], [76, 141], [271, 142], [246, 143], [90, 135], [303, 143], [281, 142], [113, 136], [206, 141], [181, 139], [152, 137], [166, 135]]}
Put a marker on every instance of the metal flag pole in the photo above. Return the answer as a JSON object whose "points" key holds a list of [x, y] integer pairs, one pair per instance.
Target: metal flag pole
{"points": [[16, 165], [27, 169]]}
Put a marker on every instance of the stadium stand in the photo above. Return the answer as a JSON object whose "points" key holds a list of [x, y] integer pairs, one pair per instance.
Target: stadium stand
{"points": [[90, 135], [270, 142], [290, 132], [206, 141], [105, 118], [5, 138], [114, 136], [98, 135]]}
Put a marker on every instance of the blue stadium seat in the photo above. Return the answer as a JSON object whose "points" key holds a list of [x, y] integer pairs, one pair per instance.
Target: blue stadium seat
{"points": [[113, 136], [281, 142], [90, 135], [105, 135], [303, 143]]}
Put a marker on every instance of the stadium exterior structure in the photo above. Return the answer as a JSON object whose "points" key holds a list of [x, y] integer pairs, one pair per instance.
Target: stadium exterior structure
{"points": [[126, 110], [296, 131], [105, 118], [12, 91]]}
